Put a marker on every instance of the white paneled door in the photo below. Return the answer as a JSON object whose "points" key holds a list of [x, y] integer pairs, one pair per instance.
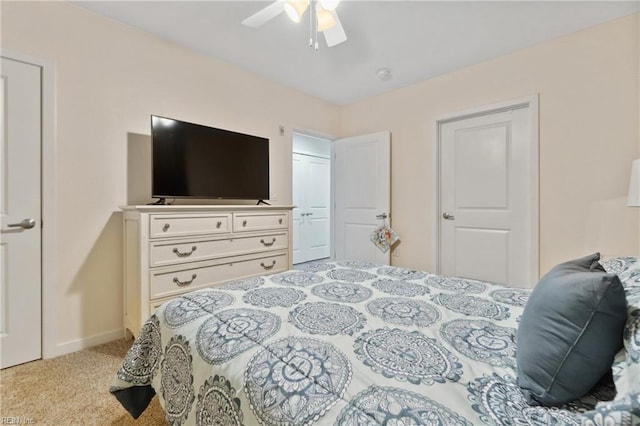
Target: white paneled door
{"points": [[20, 201], [311, 216], [362, 194], [488, 197]]}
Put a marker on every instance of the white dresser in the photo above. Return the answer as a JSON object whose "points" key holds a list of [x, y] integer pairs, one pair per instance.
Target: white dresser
{"points": [[171, 250]]}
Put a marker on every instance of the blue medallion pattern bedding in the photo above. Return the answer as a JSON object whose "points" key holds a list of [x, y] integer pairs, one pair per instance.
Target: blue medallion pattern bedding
{"points": [[355, 343]]}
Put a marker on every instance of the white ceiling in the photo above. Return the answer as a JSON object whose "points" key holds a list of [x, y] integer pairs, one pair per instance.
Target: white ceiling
{"points": [[417, 40]]}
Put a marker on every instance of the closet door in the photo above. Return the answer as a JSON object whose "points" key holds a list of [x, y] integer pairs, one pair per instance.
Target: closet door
{"points": [[317, 224], [311, 217], [488, 197]]}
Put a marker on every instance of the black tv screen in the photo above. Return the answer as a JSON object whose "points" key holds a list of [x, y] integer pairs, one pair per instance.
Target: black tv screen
{"points": [[195, 161]]}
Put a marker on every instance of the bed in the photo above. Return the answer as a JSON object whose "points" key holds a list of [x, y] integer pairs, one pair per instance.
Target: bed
{"points": [[355, 343]]}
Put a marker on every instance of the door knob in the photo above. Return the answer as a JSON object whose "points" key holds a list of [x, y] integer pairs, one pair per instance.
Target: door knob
{"points": [[448, 216], [381, 216], [24, 224]]}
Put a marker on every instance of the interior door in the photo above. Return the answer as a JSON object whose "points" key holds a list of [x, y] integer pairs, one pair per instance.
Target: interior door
{"points": [[298, 194], [20, 211], [488, 198], [311, 216], [362, 195]]}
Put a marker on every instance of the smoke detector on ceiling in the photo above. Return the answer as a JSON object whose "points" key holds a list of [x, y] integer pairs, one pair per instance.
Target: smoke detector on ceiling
{"points": [[384, 74]]}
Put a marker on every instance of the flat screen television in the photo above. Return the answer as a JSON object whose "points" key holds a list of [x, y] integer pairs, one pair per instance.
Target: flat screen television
{"points": [[195, 161]]}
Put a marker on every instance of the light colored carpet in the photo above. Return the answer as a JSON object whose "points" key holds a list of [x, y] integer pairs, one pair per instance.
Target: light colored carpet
{"points": [[71, 390]]}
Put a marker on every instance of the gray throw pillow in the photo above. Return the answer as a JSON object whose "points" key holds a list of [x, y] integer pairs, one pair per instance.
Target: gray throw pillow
{"points": [[569, 332]]}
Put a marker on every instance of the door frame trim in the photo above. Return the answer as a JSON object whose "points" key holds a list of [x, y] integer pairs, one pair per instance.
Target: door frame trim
{"points": [[48, 205], [332, 157], [533, 104]]}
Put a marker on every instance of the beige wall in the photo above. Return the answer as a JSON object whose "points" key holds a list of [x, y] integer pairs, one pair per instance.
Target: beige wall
{"points": [[589, 132], [110, 78]]}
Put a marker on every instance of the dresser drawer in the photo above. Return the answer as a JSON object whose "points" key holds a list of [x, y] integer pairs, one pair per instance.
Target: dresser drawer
{"points": [[153, 306], [259, 221], [188, 224], [174, 252], [174, 281]]}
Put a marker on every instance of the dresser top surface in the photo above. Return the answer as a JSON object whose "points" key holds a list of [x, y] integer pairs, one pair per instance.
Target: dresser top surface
{"points": [[202, 208]]}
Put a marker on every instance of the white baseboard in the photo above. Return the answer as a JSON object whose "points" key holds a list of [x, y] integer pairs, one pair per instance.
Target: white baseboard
{"points": [[87, 342]]}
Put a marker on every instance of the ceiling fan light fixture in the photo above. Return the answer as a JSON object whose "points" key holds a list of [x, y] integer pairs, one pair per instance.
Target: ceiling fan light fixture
{"points": [[295, 9], [329, 5], [320, 19], [325, 19]]}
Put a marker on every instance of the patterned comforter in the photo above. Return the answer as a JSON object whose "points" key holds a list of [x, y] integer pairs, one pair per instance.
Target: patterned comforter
{"points": [[346, 343]]}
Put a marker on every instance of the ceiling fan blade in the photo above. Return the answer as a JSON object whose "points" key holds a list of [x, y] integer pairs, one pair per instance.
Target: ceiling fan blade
{"points": [[261, 17], [335, 35]]}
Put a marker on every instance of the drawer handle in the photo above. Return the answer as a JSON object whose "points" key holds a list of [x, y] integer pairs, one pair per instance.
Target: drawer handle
{"points": [[244, 223], [266, 244], [184, 283], [219, 224], [165, 228], [280, 221], [267, 267], [186, 253]]}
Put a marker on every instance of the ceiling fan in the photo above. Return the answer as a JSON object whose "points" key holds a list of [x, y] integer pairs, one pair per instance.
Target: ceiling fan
{"points": [[322, 18]]}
